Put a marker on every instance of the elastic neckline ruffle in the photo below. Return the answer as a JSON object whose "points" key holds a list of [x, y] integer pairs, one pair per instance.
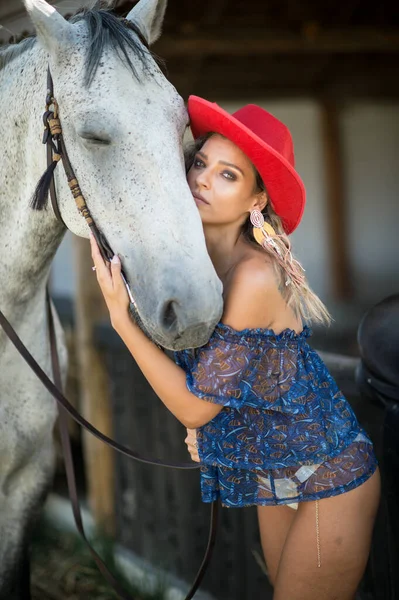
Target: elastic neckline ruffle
{"points": [[286, 334]]}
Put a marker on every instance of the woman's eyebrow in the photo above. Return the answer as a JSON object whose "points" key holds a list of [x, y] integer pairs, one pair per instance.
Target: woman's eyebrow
{"points": [[222, 162]]}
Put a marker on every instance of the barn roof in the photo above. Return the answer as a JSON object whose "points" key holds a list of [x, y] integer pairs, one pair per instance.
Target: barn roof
{"points": [[263, 48]]}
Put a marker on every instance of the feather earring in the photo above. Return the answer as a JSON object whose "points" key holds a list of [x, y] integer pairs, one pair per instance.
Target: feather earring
{"points": [[264, 233]]}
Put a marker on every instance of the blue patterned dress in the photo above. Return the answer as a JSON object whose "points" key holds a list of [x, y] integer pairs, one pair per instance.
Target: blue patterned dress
{"points": [[286, 434]]}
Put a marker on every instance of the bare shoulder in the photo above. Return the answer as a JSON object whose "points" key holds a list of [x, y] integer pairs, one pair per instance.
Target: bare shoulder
{"points": [[253, 297], [255, 271]]}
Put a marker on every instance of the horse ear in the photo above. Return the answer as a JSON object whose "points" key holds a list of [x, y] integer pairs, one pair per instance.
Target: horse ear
{"points": [[149, 16], [52, 29]]}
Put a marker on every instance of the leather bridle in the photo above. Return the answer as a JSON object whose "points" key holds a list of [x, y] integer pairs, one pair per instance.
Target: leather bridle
{"points": [[56, 152]]}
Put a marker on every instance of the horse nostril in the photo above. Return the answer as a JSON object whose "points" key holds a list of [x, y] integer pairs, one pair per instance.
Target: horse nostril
{"points": [[169, 316]]}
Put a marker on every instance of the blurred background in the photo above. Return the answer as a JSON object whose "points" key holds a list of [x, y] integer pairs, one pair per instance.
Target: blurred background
{"points": [[329, 71]]}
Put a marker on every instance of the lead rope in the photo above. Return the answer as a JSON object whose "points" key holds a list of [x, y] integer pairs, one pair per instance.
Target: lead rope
{"points": [[68, 458], [71, 479], [66, 408]]}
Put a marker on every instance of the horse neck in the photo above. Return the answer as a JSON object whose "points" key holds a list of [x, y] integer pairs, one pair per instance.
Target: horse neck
{"points": [[28, 238]]}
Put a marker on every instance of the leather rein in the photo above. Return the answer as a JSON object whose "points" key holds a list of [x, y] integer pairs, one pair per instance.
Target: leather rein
{"points": [[56, 151]]}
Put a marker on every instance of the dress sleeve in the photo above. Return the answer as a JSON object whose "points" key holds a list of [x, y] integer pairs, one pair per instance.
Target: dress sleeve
{"points": [[258, 368], [218, 371]]}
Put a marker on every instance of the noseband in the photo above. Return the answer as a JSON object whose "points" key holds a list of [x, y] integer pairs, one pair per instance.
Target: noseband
{"points": [[56, 151]]}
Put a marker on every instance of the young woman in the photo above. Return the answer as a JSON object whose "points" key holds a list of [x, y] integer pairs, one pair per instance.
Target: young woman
{"points": [[264, 417]]}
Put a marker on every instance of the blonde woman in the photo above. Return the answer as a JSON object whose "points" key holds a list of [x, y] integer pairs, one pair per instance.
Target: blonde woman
{"points": [[265, 419]]}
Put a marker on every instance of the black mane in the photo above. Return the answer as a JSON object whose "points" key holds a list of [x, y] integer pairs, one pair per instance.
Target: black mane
{"points": [[106, 30]]}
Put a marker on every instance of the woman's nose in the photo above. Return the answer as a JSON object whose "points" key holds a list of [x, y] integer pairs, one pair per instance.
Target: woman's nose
{"points": [[203, 180]]}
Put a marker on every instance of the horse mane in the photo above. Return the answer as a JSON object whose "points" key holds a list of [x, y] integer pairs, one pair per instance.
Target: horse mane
{"points": [[106, 30], [11, 51]]}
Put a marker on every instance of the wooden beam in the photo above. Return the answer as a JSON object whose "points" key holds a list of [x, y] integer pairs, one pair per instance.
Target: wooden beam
{"points": [[235, 84], [95, 402], [265, 43], [336, 202]]}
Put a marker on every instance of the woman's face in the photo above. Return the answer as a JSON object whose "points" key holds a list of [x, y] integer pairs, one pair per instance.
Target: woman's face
{"points": [[222, 181]]}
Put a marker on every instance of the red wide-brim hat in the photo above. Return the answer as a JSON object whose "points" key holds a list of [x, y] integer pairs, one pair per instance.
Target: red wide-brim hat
{"points": [[267, 142]]}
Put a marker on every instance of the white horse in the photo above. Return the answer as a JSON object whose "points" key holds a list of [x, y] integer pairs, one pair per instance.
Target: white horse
{"points": [[123, 124]]}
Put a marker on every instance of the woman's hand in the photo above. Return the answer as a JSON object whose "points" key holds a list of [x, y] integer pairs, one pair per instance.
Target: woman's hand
{"points": [[192, 445], [111, 283]]}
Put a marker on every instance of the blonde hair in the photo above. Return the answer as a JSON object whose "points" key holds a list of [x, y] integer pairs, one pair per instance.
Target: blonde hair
{"points": [[292, 282]]}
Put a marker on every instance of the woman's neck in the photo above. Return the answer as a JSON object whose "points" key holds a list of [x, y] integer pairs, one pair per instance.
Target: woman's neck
{"points": [[224, 245]]}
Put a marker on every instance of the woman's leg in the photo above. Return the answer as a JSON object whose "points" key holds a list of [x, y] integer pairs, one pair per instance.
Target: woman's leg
{"points": [[345, 529], [274, 524]]}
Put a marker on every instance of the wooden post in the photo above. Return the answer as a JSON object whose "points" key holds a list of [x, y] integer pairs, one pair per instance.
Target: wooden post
{"points": [[336, 201], [95, 404]]}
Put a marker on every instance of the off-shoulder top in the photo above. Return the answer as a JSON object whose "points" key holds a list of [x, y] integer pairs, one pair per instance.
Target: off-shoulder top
{"points": [[282, 412]]}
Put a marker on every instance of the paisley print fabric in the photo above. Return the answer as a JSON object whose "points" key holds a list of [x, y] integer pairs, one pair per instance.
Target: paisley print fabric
{"points": [[285, 433]]}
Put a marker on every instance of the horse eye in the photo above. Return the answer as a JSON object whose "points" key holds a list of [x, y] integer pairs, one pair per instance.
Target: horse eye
{"points": [[95, 140]]}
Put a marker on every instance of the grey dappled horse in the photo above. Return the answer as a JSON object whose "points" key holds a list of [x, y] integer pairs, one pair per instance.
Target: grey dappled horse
{"points": [[123, 124]]}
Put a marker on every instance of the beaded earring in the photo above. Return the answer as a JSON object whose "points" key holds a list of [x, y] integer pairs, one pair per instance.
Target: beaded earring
{"points": [[263, 232]]}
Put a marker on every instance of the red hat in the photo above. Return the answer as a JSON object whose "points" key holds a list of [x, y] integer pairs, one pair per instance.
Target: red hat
{"points": [[267, 142]]}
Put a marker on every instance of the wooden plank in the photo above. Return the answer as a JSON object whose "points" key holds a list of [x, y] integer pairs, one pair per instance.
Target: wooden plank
{"points": [[95, 402], [336, 202]]}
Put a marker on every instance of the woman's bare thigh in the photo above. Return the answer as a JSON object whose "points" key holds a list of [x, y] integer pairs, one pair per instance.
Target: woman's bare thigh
{"points": [[274, 525], [345, 526]]}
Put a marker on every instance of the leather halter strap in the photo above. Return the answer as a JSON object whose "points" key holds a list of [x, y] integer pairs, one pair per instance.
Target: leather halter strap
{"points": [[59, 147], [56, 150]]}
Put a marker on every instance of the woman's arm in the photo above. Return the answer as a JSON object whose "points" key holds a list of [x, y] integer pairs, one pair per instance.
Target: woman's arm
{"points": [[166, 379]]}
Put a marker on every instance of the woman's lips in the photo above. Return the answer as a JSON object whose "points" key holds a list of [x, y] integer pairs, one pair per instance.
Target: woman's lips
{"points": [[199, 199]]}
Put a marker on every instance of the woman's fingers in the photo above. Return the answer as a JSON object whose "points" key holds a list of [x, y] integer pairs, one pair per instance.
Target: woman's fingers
{"points": [[191, 436], [95, 250], [192, 445], [116, 268], [110, 281], [193, 453], [118, 283], [101, 267]]}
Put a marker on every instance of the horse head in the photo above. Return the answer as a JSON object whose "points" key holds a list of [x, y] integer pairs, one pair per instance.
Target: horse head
{"points": [[123, 124]]}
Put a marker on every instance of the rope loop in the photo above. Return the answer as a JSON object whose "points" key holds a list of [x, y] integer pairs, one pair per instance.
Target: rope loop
{"points": [[55, 126]]}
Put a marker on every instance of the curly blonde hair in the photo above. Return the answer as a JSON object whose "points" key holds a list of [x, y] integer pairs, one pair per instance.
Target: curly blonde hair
{"points": [[290, 276]]}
